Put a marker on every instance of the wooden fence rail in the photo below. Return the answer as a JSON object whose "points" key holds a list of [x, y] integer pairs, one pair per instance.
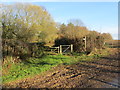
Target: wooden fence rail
{"points": [[62, 48]]}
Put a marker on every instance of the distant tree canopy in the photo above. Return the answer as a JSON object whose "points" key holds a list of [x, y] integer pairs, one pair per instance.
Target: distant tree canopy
{"points": [[76, 22], [75, 32], [26, 23], [107, 36], [72, 34]]}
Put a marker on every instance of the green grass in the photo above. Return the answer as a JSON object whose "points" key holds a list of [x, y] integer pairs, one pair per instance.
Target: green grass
{"points": [[34, 66]]}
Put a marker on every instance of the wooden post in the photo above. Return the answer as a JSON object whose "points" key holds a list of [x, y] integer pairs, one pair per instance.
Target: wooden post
{"points": [[85, 43], [60, 49], [71, 47]]}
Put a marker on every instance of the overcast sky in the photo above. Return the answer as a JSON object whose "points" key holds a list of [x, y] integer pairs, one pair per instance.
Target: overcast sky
{"points": [[99, 16]]}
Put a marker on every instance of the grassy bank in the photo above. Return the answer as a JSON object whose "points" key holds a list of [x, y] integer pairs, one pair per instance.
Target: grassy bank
{"points": [[34, 66]]}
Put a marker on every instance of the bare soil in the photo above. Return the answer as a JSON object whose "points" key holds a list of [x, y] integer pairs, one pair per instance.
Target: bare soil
{"points": [[103, 73]]}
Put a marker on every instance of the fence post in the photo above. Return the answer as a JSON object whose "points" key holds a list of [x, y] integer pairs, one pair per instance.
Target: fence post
{"points": [[85, 43], [71, 47], [60, 49]]}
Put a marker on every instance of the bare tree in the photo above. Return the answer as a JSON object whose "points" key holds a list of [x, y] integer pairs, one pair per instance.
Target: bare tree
{"points": [[76, 22]]}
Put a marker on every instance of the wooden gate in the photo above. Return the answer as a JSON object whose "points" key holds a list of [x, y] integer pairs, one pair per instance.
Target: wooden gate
{"points": [[54, 49], [62, 49], [66, 48]]}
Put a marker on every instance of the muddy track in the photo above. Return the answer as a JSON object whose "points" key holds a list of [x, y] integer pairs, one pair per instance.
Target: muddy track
{"points": [[96, 74]]}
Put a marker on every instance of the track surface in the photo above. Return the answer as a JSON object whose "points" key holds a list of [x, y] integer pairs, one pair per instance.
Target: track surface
{"points": [[103, 73]]}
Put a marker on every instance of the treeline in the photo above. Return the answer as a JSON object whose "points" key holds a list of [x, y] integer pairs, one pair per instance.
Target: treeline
{"points": [[24, 24], [78, 35], [27, 28]]}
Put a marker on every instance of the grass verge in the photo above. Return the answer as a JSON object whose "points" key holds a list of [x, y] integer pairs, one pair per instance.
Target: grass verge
{"points": [[33, 66]]}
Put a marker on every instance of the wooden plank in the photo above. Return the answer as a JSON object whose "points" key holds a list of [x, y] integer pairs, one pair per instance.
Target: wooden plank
{"points": [[66, 49], [54, 47], [65, 45]]}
